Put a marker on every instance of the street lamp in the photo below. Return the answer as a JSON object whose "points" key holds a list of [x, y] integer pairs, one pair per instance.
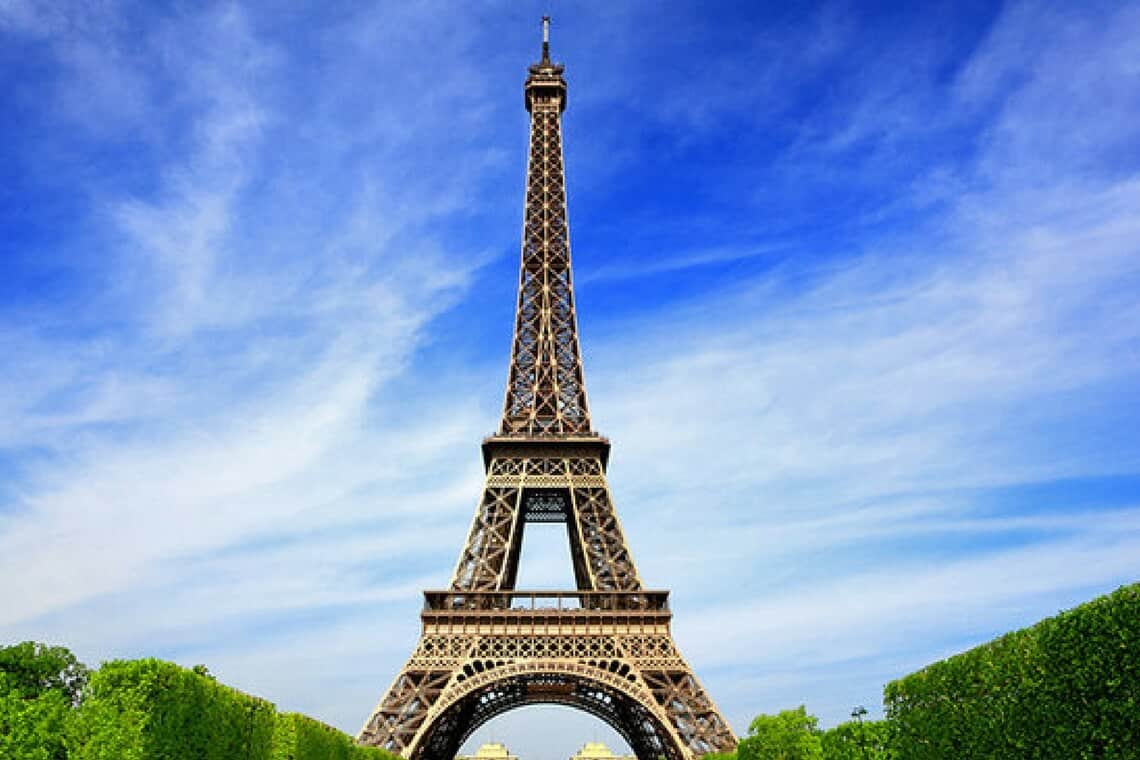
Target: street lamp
{"points": [[857, 713]]}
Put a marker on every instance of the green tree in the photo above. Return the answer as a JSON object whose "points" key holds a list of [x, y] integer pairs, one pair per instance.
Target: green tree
{"points": [[33, 729], [791, 735], [39, 685], [33, 668], [720, 756], [854, 740]]}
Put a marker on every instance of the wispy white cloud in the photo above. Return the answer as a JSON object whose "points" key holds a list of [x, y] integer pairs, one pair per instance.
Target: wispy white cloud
{"points": [[239, 374], [825, 622]]}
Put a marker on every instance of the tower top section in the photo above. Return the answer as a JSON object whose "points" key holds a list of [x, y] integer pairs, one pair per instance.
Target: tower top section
{"points": [[545, 83], [546, 394]]}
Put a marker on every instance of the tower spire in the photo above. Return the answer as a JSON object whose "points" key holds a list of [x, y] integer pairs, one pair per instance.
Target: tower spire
{"points": [[546, 39]]}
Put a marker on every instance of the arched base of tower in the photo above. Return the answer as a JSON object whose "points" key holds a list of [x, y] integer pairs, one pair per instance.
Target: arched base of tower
{"points": [[635, 722], [607, 653]]}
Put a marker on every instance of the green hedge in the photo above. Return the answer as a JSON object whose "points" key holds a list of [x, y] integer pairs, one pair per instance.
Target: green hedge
{"points": [[298, 737], [149, 709], [144, 709], [1066, 688]]}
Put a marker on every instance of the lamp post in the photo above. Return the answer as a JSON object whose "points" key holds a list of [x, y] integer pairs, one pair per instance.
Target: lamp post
{"points": [[857, 713]]}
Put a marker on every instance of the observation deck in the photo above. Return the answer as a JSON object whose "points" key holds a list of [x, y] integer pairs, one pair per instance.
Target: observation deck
{"points": [[523, 444], [551, 612]]}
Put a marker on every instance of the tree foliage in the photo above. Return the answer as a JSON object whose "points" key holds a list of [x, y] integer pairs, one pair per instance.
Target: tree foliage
{"points": [[720, 756], [1066, 688], [38, 686], [32, 668], [33, 728], [854, 740], [790, 735]]}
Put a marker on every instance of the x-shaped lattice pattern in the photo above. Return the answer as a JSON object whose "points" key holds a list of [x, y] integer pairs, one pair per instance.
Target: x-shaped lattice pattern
{"points": [[607, 556], [403, 709], [602, 560], [546, 395], [690, 710], [484, 558]]}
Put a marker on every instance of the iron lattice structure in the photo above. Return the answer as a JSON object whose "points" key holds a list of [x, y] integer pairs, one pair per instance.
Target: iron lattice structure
{"points": [[605, 647]]}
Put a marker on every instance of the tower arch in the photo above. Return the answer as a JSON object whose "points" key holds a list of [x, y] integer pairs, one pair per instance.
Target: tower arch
{"points": [[619, 701]]}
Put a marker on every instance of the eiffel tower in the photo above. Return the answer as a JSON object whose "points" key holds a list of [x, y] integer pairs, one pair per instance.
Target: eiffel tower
{"points": [[488, 647]]}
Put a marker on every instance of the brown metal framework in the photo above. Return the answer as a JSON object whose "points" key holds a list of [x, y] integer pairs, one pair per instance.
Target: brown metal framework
{"points": [[605, 648]]}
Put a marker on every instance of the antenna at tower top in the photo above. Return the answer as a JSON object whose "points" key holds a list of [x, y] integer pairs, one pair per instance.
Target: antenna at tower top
{"points": [[546, 39]]}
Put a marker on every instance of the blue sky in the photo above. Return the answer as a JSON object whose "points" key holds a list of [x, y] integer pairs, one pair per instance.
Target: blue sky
{"points": [[857, 289]]}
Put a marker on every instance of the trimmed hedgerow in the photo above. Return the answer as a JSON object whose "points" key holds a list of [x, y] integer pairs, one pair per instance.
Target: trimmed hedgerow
{"points": [[1067, 687], [144, 709], [298, 737]]}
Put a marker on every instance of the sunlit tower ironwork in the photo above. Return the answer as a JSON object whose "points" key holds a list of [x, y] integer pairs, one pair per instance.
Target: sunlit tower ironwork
{"points": [[604, 647]]}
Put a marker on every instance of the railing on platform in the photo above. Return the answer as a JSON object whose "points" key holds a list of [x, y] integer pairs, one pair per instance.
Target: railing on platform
{"points": [[555, 601]]}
